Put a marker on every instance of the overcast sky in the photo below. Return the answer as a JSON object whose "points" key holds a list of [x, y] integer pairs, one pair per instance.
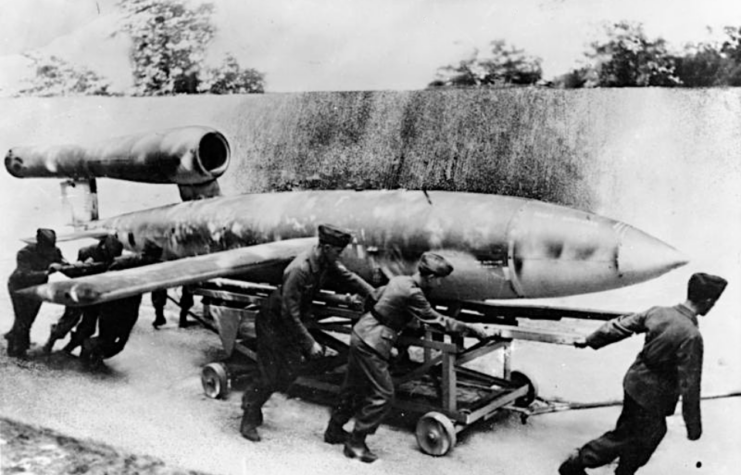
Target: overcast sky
{"points": [[366, 44]]}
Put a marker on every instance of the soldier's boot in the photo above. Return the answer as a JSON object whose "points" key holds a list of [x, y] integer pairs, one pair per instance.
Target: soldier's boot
{"points": [[355, 448], [70, 347], [248, 426], [572, 466], [15, 348], [625, 468], [91, 356], [159, 319], [335, 434], [95, 362], [183, 323], [74, 342], [53, 337], [86, 350], [49, 345]]}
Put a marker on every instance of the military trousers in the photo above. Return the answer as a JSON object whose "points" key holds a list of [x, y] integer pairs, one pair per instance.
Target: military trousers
{"points": [[279, 362], [86, 320], [159, 299], [636, 436], [116, 321], [367, 391], [26, 310]]}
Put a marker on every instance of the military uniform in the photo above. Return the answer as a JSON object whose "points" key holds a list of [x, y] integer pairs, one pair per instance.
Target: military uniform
{"points": [[668, 366], [372, 340], [282, 337], [368, 390], [32, 268], [159, 297], [116, 319], [159, 300], [93, 259]]}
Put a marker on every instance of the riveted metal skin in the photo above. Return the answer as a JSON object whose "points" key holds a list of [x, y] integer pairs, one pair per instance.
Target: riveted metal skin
{"points": [[501, 247]]}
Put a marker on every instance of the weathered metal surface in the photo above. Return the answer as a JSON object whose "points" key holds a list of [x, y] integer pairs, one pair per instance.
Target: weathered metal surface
{"points": [[501, 247], [186, 156], [116, 285]]}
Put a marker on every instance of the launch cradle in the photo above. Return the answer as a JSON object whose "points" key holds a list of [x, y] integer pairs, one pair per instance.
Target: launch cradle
{"points": [[437, 383]]}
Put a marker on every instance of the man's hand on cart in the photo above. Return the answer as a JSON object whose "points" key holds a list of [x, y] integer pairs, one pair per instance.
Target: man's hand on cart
{"points": [[355, 301], [476, 332], [320, 351], [54, 267], [316, 351]]}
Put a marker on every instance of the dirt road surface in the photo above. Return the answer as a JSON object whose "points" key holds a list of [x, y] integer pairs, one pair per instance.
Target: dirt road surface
{"points": [[149, 407], [149, 402]]}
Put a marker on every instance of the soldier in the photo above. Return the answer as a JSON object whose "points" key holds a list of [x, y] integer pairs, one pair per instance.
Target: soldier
{"points": [[159, 297], [34, 264], [91, 260], [368, 390], [282, 337], [159, 300], [669, 365], [117, 317]]}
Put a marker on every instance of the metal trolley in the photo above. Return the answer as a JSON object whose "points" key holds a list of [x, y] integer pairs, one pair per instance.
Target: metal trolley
{"points": [[438, 383]]}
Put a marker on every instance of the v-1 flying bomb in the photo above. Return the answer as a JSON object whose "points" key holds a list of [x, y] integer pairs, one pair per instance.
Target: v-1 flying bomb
{"points": [[502, 247]]}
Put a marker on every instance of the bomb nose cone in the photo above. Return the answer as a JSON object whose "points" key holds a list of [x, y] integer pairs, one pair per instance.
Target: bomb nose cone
{"points": [[642, 257]]}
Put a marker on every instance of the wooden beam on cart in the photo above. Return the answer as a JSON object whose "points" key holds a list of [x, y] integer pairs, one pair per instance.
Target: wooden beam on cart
{"points": [[532, 334]]}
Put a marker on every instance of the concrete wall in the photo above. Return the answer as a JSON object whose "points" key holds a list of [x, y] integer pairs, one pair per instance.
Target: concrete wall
{"points": [[666, 161], [609, 151]]}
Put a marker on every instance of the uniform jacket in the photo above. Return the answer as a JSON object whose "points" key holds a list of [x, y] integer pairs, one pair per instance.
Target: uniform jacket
{"points": [[670, 363], [96, 252], [302, 279], [401, 302], [32, 266], [94, 259], [91, 260]]}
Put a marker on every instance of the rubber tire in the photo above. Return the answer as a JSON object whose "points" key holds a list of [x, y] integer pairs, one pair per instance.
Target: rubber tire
{"points": [[436, 434], [215, 380]]}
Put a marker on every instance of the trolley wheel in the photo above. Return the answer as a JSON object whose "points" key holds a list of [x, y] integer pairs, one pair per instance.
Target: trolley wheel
{"points": [[215, 380], [520, 379], [435, 434]]}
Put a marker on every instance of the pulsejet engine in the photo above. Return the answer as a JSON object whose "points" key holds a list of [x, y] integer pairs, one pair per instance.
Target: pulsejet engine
{"points": [[192, 157]]}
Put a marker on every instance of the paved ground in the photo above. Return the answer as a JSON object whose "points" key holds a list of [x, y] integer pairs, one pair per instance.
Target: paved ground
{"points": [[149, 402], [32, 449]]}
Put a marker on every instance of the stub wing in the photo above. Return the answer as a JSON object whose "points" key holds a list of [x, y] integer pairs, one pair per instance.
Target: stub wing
{"points": [[115, 285], [87, 234]]}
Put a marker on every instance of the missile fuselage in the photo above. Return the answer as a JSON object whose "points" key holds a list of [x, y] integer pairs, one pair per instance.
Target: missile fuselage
{"points": [[501, 247]]}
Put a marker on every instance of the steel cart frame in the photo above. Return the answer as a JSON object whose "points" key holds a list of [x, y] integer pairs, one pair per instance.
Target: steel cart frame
{"points": [[440, 384]]}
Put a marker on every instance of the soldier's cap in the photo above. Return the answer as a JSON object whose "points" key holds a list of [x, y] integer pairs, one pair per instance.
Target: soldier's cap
{"points": [[434, 264], [333, 235], [703, 286], [46, 236]]}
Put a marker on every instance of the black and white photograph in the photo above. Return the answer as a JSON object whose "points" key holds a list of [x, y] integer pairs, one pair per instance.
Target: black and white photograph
{"points": [[370, 236]]}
